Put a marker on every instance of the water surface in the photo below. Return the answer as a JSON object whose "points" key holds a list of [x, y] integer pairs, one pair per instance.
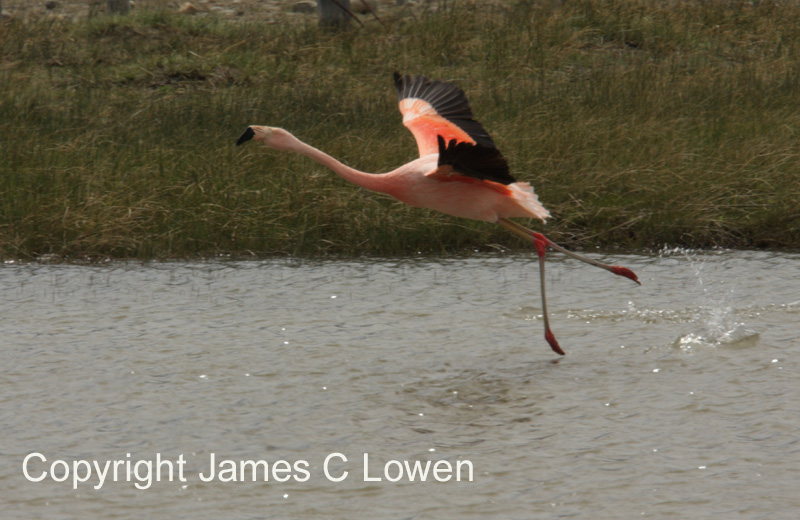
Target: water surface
{"points": [[677, 399]]}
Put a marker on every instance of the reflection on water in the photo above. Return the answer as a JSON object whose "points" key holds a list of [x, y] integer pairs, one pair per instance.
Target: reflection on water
{"points": [[677, 399]]}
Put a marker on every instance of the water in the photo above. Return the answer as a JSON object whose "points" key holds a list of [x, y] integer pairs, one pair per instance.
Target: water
{"points": [[677, 399]]}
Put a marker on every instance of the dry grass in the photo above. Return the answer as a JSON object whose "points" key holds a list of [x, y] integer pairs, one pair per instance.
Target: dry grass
{"points": [[639, 123]]}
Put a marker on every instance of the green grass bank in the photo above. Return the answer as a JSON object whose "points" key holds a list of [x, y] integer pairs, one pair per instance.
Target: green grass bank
{"points": [[639, 124]]}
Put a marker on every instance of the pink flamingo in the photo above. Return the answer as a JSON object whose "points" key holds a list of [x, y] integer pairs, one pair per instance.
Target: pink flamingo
{"points": [[459, 171]]}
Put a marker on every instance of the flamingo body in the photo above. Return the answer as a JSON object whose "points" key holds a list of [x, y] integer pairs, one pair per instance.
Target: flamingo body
{"points": [[423, 184], [459, 170]]}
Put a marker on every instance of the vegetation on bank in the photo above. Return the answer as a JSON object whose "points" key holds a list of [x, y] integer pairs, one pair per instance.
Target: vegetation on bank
{"points": [[639, 124]]}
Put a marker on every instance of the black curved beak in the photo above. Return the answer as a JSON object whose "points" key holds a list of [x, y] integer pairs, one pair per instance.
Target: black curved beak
{"points": [[246, 136]]}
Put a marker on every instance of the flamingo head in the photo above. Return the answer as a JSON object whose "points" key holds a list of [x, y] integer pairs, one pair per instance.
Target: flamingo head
{"points": [[273, 137]]}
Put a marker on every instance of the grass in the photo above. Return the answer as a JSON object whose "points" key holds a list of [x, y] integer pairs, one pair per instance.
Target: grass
{"points": [[639, 124]]}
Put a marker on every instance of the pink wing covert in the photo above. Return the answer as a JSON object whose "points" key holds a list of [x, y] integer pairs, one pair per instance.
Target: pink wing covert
{"points": [[432, 108]]}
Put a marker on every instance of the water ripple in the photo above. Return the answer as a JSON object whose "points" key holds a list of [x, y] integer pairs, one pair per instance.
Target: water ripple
{"points": [[679, 395]]}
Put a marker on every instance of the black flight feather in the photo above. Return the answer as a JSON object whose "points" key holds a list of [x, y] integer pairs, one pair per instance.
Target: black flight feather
{"points": [[475, 160], [449, 101]]}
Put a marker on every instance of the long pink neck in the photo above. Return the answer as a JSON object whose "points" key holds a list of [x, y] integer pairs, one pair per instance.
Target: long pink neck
{"points": [[370, 181]]}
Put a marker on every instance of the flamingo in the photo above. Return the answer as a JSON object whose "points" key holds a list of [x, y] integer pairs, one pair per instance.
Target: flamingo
{"points": [[459, 171]]}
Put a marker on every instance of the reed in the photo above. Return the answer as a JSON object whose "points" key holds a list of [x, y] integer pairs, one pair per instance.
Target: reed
{"points": [[639, 123]]}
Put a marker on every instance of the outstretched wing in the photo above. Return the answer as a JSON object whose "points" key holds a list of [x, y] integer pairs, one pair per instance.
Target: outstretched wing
{"points": [[433, 108], [468, 162]]}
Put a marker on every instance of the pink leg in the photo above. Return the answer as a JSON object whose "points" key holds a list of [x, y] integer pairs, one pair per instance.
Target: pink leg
{"points": [[540, 242], [529, 233]]}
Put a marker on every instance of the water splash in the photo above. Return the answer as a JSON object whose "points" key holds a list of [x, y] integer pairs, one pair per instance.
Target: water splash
{"points": [[717, 326], [715, 322]]}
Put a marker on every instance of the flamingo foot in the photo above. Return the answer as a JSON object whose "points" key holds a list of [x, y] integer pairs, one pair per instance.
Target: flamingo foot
{"points": [[624, 271], [551, 339]]}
